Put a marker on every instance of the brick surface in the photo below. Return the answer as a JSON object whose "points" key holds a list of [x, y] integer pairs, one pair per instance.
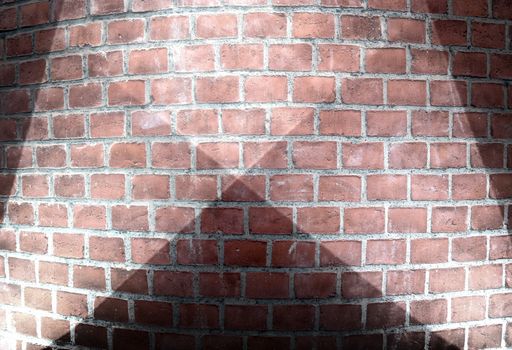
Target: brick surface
{"points": [[243, 174]]}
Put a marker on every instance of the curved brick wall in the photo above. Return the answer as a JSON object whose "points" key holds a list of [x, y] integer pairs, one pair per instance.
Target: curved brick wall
{"points": [[248, 174]]}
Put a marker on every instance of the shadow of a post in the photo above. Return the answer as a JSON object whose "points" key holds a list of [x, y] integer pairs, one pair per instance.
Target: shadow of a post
{"points": [[314, 291]]}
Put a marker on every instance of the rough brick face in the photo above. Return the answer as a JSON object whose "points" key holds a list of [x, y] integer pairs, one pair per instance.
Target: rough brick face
{"points": [[295, 174]]}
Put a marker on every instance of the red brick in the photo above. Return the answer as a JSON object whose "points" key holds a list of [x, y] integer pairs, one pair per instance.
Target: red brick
{"points": [[88, 95], [429, 311], [226, 284], [315, 285], [336, 317], [69, 9], [171, 155], [500, 126], [265, 25], [338, 58], [197, 252], [386, 187], [149, 61], [105, 64], [407, 92], [339, 188], [477, 8], [429, 187], [68, 245], [386, 123], [243, 122], [364, 220], [267, 285], [362, 91], [429, 61], [85, 35], [315, 155], [216, 26], [54, 273], [314, 89], [245, 253], [217, 90], [340, 253], [66, 68], [385, 60], [243, 188], [89, 335], [125, 31], [361, 28], [449, 32], [69, 186], [151, 5], [107, 186], [19, 45], [291, 188], [127, 93], [194, 58], [22, 269], [469, 248], [449, 219], [265, 155], [217, 155], [488, 35], [130, 218], [318, 220], [236, 317], [30, 72], [9, 18], [87, 156], [106, 249], [293, 317], [312, 25], [222, 220], [270, 220], [468, 309], [169, 28], [292, 121], [403, 282], [89, 217], [487, 95], [153, 313], [34, 14], [384, 315], [469, 186], [484, 337], [69, 126], [446, 280], [150, 251], [53, 215], [196, 187], [406, 30], [33, 242], [175, 219], [19, 157], [426, 251], [197, 122], [130, 281], [293, 254], [50, 40], [290, 57], [361, 284], [150, 187], [103, 7], [487, 217], [363, 155], [407, 220], [448, 155], [242, 57], [47, 99], [128, 155], [266, 88], [385, 252], [88, 277], [110, 309], [501, 9], [485, 276]]}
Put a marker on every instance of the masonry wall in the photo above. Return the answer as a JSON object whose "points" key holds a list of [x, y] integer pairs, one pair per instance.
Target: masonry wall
{"points": [[255, 174]]}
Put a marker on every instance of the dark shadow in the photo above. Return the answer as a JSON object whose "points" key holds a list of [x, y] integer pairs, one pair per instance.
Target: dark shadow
{"points": [[215, 285]]}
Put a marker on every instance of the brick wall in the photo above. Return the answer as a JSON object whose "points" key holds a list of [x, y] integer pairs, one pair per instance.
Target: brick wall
{"points": [[255, 174]]}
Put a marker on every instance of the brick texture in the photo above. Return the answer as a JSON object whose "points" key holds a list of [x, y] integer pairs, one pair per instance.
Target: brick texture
{"points": [[255, 174]]}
